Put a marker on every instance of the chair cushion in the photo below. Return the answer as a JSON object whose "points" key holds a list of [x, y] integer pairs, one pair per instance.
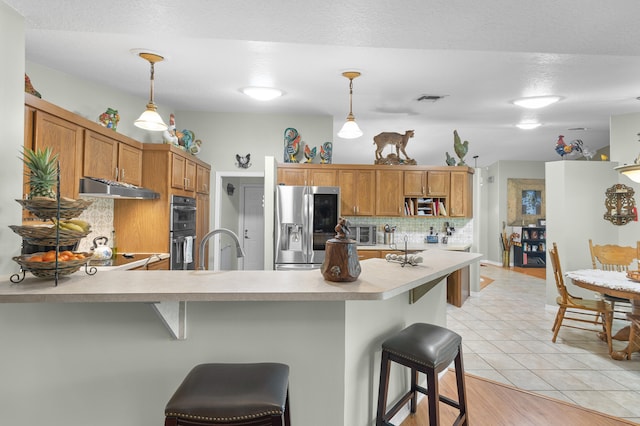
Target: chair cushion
{"points": [[427, 344], [228, 392]]}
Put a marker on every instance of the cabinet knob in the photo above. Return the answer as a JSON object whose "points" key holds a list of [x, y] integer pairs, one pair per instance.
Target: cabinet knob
{"points": [[122, 174], [115, 177]]}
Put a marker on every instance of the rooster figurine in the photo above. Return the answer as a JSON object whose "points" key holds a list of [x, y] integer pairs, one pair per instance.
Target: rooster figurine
{"points": [[460, 148], [325, 152], [309, 154], [170, 135], [28, 87], [292, 145], [563, 148], [243, 162]]}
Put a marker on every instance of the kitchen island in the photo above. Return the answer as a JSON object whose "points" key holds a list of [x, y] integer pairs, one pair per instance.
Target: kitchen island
{"points": [[90, 351]]}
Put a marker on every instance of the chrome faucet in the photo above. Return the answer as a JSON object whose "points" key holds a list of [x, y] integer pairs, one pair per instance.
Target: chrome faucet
{"points": [[203, 243]]}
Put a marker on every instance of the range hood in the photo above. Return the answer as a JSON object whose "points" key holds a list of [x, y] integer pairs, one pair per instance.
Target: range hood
{"points": [[104, 188]]}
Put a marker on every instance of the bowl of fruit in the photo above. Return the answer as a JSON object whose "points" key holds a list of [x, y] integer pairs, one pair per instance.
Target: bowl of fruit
{"points": [[64, 233], [43, 264]]}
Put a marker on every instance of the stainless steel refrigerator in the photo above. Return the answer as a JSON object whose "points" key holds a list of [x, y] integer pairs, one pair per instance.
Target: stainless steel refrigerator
{"points": [[306, 217]]}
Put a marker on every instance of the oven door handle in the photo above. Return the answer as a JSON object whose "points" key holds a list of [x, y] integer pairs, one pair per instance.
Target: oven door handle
{"points": [[184, 208]]}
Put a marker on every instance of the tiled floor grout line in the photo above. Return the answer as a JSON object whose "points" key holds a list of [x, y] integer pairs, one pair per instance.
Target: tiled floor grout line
{"points": [[506, 334]]}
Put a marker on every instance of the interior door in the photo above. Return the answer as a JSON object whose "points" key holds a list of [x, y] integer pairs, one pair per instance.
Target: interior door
{"points": [[252, 226]]}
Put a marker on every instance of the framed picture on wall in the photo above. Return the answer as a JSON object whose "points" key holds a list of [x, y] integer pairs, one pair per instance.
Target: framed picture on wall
{"points": [[542, 223], [525, 201]]}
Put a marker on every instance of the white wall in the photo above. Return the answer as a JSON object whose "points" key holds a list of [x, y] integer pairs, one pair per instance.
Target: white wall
{"points": [[12, 113], [494, 178]]}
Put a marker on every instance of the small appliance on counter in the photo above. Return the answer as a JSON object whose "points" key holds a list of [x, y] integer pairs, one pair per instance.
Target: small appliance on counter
{"points": [[365, 235]]}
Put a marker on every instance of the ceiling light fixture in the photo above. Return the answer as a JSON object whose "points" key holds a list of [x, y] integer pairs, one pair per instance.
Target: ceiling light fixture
{"points": [[528, 125], [350, 129], [632, 171], [535, 102], [262, 93], [150, 119]]}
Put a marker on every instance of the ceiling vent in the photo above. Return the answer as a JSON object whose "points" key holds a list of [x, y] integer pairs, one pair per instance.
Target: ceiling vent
{"points": [[430, 98]]}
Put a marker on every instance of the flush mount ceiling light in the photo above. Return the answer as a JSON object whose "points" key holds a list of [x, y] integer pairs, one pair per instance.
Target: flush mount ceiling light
{"points": [[632, 171], [535, 102], [150, 119], [528, 125], [350, 129], [262, 93]]}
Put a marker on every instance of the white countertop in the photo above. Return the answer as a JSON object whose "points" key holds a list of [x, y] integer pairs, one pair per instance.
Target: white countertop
{"points": [[419, 246], [379, 280]]}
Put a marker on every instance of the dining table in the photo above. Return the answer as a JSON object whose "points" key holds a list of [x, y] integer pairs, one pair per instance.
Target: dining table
{"points": [[616, 284]]}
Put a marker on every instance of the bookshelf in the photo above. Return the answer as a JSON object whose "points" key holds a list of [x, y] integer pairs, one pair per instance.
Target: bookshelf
{"points": [[422, 206], [533, 251]]}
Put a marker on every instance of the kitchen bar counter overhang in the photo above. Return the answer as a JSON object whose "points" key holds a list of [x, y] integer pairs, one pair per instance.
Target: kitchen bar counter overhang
{"points": [[379, 280], [328, 333]]}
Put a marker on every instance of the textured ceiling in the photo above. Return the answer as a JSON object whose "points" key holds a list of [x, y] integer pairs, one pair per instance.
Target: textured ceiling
{"points": [[480, 55]]}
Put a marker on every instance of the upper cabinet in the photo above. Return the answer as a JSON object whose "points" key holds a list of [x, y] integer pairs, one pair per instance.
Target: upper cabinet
{"points": [[64, 138], [203, 176], [407, 191], [461, 194], [183, 173], [107, 158]]}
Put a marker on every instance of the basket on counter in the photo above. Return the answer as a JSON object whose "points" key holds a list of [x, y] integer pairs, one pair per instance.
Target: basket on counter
{"points": [[46, 235], [47, 208], [48, 269]]}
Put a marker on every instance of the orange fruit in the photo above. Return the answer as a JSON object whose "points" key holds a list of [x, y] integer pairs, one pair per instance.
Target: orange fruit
{"points": [[67, 253], [49, 256], [35, 258], [79, 256]]}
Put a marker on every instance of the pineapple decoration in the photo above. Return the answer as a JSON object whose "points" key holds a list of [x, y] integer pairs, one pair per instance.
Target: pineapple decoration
{"points": [[43, 172]]}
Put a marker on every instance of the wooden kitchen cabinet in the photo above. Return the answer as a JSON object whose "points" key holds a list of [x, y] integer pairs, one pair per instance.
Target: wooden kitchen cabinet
{"points": [[310, 177], [461, 195], [203, 211], [357, 192], [389, 197], [108, 158], [426, 183], [64, 138], [203, 177], [183, 173]]}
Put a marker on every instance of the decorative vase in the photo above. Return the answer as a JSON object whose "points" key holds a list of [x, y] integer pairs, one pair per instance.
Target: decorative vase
{"points": [[505, 258]]}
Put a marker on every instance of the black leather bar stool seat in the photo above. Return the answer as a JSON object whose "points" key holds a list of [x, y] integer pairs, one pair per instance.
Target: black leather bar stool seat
{"points": [[231, 394], [428, 349]]}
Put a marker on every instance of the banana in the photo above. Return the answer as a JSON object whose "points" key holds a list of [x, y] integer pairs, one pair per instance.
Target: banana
{"points": [[81, 223], [71, 227]]}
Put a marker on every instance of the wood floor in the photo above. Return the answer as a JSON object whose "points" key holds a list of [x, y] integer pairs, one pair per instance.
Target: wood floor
{"points": [[494, 404]]}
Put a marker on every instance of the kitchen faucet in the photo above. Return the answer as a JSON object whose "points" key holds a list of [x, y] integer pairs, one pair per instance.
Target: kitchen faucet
{"points": [[203, 243]]}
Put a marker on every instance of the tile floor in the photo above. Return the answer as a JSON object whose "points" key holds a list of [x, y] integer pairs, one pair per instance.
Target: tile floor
{"points": [[506, 334]]}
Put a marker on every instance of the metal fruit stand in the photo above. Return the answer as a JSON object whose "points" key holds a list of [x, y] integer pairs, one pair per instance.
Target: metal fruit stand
{"points": [[55, 210]]}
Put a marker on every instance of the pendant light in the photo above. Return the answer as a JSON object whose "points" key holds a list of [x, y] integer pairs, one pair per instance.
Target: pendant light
{"points": [[632, 171], [350, 129], [150, 119]]}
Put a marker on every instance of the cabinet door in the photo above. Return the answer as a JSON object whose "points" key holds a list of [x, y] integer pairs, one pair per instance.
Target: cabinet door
{"points": [[203, 208], [129, 164], [292, 176], [389, 188], [189, 175], [203, 176], [178, 165], [368, 254], [323, 178], [357, 192], [414, 183], [438, 183], [65, 139], [100, 156], [460, 202]]}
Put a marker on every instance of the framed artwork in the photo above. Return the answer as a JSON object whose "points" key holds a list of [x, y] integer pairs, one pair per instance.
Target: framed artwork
{"points": [[542, 223], [525, 201]]}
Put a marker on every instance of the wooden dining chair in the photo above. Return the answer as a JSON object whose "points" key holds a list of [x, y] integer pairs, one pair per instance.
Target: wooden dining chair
{"points": [[576, 309], [611, 257], [633, 333]]}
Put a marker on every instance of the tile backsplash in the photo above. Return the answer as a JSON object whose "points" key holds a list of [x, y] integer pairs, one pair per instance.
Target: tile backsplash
{"points": [[417, 229], [100, 215]]}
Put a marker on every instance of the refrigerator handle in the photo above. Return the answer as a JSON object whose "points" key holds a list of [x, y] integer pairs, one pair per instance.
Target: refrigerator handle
{"points": [[308, 225]]}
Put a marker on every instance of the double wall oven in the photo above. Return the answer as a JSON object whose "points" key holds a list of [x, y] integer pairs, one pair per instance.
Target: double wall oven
{"points": [[182, 235]]}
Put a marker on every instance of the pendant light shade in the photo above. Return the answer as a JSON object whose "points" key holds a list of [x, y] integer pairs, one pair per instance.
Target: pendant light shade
{"points": [[632, 171], [150, 119], [350, 129]]}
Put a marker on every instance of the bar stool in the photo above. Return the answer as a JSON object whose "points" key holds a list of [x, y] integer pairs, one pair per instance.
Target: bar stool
{"points": [[427, 349], [231, 394]]}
